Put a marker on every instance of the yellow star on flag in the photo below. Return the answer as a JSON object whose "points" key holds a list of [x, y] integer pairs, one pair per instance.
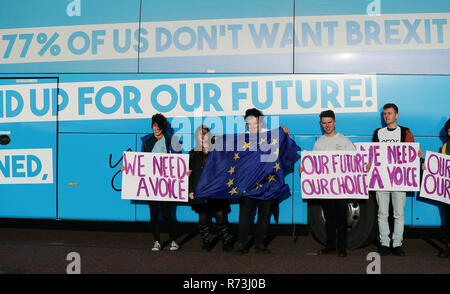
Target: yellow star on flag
{"points": [[271, 178], [274, 141], [233, 191], [231, 170], [246, 146], [258, 185], [230, 182], [236, 156], [276, 166], [262, 140]]}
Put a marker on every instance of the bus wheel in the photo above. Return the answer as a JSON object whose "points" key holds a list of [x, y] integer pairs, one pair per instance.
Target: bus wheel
{"points": [[361, 221]]}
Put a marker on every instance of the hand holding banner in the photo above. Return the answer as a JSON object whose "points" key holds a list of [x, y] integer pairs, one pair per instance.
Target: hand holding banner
{"points": [[436, 177], [155, 176]]}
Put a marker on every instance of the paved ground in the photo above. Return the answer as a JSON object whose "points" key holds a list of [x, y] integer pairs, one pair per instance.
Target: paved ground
{"points": [[36, 248]]}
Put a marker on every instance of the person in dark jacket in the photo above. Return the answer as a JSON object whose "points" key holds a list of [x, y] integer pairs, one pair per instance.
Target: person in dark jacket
{"points": [[205, 207], [446, 150], [160, 142]]}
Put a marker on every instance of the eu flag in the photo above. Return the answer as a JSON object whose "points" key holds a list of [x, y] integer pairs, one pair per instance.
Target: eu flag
{"points": [[248, 165]]}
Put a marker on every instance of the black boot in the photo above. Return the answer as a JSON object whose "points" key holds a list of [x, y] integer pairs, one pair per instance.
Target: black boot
{"points": [[204, 235], [224, 237]]}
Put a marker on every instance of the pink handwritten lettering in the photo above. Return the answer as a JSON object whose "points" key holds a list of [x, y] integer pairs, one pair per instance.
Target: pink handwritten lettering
{"points": [[142, 185], [318, 164], [442, 166], [376, 178], [128, 166], [402, 176], [437, 186], [140, 165]]}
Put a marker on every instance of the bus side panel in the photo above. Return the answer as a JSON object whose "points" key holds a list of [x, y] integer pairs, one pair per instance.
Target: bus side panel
{"points": [[422, 101], [90, 179], [300, 206], [28, 162], [178, 18], [28, 200], [364, 54], [286, 203], [92, 47]]}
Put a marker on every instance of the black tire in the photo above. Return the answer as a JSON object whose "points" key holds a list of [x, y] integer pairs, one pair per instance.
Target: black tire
{"points": [[362, 222]]}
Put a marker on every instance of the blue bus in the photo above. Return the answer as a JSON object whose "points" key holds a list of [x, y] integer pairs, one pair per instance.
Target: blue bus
{"points": [[80, 80]]}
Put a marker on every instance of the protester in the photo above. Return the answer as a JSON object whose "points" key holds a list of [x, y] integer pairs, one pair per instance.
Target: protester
{"points": [[204, 206], [392, 133], [446, 150], [254, 122], [159, 142], [335, 210]]}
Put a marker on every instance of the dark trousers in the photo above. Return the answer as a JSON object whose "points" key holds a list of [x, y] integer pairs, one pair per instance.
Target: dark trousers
{"points": [[154, 218], [246, 208], [335, 212]]}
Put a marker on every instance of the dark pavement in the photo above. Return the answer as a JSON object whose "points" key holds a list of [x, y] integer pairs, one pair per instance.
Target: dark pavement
{"points": [[42, 247]]}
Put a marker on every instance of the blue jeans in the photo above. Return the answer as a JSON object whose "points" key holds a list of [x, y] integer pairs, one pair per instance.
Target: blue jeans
{"points": [[398, 205]]}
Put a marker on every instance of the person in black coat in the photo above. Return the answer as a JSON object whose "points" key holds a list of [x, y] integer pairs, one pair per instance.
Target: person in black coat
{"points": [[446, 150], [160, 142], [205, 207]]}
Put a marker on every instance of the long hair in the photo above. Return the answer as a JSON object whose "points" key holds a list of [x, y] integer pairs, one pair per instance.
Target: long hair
{"points": [[204, 130]]}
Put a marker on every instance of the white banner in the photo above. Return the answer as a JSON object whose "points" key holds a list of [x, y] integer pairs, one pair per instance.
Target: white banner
{"points": [[155, 176], [334, 175], [394, 166], [186, 97], [234, 36], [436, 177]]}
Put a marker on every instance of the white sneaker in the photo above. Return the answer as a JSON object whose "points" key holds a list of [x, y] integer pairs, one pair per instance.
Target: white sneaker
{"points": [[156, 246], [174, 246]]}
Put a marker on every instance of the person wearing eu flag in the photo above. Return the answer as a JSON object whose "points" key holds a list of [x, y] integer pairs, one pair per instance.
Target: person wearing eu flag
{"points": [[254, 121], [250, 167]]}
